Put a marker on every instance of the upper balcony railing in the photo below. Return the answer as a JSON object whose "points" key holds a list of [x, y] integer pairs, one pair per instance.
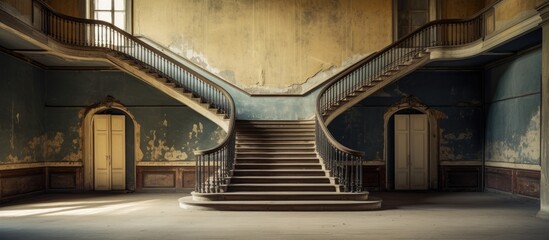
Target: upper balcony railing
{"points": [[213, 165], [345, 164]]}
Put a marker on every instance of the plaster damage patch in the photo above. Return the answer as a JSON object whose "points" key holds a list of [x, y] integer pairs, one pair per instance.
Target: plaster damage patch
{"points": [[156, 148], [174, 155], [41, 146], [159, 148], [185, 48], [76, 153], [525, 149], [447, 152]]}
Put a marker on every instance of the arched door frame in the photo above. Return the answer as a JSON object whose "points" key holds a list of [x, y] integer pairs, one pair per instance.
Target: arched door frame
{"points": [[433, 116], [87, 137]]}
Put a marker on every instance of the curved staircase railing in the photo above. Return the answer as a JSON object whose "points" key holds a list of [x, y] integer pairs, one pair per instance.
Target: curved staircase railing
{"points": [[213, 165], [346, 164]]}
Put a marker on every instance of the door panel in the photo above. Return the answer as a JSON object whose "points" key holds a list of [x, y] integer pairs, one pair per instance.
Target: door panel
{"points": [[118, 153], [101, 152], [418, 152], [402, 170]]}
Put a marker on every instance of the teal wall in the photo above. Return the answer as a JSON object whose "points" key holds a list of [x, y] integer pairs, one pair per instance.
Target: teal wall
{"points": [[168, 129], [455, 95], [512, 105], [22, 136]]}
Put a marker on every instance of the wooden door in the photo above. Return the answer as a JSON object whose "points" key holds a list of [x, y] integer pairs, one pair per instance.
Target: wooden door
{"points": [[411, 155], [411, 14], [109, 152]]}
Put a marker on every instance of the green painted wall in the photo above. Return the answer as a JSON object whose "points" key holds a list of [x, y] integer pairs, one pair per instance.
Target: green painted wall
{"points": [[455, 95], [168, 130], [22, 137], [513, 110]]}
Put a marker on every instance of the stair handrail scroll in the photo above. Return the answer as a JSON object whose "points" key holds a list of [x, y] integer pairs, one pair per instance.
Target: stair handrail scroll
{"points": [[345, 164], [214, 165]]}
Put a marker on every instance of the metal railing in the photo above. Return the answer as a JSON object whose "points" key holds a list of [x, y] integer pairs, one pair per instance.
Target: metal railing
{"points": [[213, 165], [346, 164]]}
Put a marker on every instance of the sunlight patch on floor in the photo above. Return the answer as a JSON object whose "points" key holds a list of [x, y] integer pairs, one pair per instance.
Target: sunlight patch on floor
{"points": [[78, 208]]}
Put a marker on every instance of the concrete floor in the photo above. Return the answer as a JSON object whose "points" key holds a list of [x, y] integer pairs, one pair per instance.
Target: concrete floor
{"points": [[158, 216]]}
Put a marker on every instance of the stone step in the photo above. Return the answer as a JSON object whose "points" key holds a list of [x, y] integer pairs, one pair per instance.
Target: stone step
{"points": [[278, 160], [325, 205], [275, 135], [309, 154], [280, 179], [282, 187], [239, 165], [292, 149], [296, 159], [279, 172], [277, 144], [287, 140], [280, 196], [274, 122], [293, 129]]}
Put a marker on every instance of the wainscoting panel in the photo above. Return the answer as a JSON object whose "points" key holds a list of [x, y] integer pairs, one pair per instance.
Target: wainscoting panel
{"points": [[165, 178], [65, 179], [19, 182], [373, 178], [460, 178], [514, 181]]}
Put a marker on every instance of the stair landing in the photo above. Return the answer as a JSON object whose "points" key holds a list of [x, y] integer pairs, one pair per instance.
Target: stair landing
{"points": [[277, 169]]}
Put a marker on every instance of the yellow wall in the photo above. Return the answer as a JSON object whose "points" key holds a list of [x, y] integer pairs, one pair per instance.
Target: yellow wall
{"points": [[266, 46], [509, 11], [68, 7], [460, 9]]}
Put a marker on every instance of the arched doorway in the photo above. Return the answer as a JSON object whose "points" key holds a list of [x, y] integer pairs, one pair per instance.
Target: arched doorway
{"points": [[406, 123], [105, 111]]}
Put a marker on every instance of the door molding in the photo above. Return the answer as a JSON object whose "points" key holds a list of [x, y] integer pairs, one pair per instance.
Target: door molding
{"points": [[87, 137], [433, 118]]}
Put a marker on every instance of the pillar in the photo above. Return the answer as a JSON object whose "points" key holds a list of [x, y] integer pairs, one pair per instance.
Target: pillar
{"points": [[544, 158]]}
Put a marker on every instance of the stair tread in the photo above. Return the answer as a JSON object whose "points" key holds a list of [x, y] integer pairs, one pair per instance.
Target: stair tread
{"points": [[292, 202], [280, 170], [275, 148], [280, 177], [275, 158], [278, 164], [283, 185], [277, 153], [275, 121], [283, 193], [281, 205]]}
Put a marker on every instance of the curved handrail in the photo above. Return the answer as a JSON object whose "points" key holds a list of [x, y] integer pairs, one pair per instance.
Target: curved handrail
{"points": [[352, 81], [88, 33]]}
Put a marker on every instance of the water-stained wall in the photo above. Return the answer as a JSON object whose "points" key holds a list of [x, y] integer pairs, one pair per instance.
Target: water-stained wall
{"points": [[22, 137], [513, 110], [267, 46], [168, 131], [455, 97]]}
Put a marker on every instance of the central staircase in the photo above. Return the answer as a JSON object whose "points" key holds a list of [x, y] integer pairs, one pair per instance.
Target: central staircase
{"points": [[277, 169]]}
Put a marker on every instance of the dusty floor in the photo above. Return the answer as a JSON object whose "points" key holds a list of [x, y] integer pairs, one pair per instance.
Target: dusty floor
{"points": [[158, 216]]}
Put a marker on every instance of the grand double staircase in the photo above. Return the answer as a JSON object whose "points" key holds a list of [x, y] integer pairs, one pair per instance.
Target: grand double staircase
{"points": [[277, 168], [261, 165]]}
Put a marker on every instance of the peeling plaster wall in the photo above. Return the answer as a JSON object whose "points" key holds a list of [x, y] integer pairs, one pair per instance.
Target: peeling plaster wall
{"points": [[513, 110], [456, 95], [22, 136], [169, 131], [266, 46]]}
